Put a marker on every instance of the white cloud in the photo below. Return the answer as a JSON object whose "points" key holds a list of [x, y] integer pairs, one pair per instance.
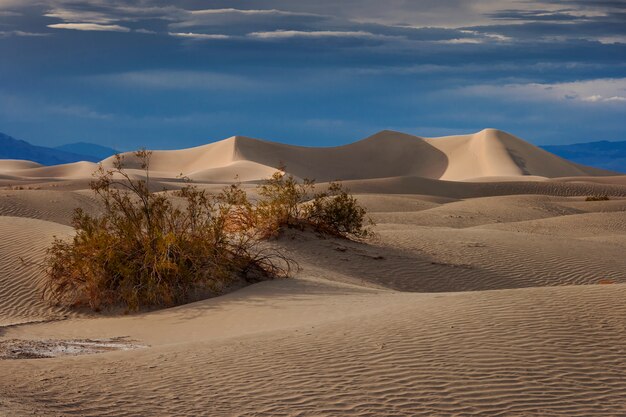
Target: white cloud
{"points": [[87, 16], [8, 13], [462, 41], [598, 98], [608, 40], [477, 37], [199, 36], [90, 27], [261, 12], [225, 17], [145, 31], [603, 90], [286, 34], [487, 35]]}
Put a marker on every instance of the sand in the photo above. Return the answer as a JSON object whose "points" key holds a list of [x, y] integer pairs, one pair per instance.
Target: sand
{"points": [[491, 289]]}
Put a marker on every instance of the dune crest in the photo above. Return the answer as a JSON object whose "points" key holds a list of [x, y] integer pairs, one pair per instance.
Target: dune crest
{"points": [[488, 155], [7, 165], [494, 153]]}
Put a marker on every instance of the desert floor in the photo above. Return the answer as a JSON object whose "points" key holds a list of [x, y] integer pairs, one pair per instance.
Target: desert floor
{"points": [[506, 305]]}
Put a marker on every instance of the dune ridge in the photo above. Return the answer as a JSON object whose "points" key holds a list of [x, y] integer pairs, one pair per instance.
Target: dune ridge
{"points": [[489, 153]]}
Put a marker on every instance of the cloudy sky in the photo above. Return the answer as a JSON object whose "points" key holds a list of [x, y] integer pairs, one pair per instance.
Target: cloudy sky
{"points": [[131, 73]]}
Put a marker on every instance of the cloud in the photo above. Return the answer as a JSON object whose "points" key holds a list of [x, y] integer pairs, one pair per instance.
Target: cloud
{"points": [[489, 36], [286, 34], [6, 34], [87, 16], [8, 13], [598, 98], [251, 12], [461, 40], [564, 15], [609, 40], [605, 90], [200, 36], [233, 18], [110, 12], [90, 27]]}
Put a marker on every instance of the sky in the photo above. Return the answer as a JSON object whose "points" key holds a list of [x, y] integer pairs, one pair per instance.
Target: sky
{"points": [[165, 75]]}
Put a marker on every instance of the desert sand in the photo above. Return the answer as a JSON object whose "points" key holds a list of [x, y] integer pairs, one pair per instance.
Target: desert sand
{"points": [[491, 288]]}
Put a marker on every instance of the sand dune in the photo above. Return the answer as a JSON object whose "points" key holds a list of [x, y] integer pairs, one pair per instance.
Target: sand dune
{"points": [[54, 206], [485, 354], [491, 288], [22, 248], [489, 155], [16, 164], [457, 189], [64, 171], [493, 153]]}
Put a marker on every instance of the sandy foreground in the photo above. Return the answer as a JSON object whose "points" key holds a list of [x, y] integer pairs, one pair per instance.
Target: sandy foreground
{"points": [[495, 292]]}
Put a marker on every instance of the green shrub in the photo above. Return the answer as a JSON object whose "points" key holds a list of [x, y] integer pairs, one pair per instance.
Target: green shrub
{"points": [[602, 197], [144, 250]]}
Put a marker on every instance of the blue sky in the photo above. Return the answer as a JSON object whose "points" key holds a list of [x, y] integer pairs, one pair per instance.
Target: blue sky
{"points": [[131, 73]]}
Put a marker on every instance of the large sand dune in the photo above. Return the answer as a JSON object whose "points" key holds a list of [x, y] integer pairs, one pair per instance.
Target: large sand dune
{"points": [[492, 288], [489, 154]]}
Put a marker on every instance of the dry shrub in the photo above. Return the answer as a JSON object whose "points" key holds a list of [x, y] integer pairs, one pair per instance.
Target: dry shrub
{"points": [[281, 202], [148, 250], [338, 213], [144, 250], [602, 197], [285, 202]]}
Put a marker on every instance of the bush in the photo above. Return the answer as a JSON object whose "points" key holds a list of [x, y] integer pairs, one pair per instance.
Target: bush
{"points": [[144, 250], [280, 203], [284, 202], [603, 197], [337, 213]]}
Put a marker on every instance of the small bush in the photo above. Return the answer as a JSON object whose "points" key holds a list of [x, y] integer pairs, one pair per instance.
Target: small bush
{"points": [[337, 213], [285, 202], [602, 197], [280, 203], [144, 250]]}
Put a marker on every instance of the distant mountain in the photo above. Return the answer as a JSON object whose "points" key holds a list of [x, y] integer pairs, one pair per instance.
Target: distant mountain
{"points": [[603, 154], [90, 149], [11, 148]]}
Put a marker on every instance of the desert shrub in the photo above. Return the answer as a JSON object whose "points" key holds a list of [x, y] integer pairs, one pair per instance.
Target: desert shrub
{"points": [[285, 202], [144, 250], [602, 197], [338, 213], [280, 203]]}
